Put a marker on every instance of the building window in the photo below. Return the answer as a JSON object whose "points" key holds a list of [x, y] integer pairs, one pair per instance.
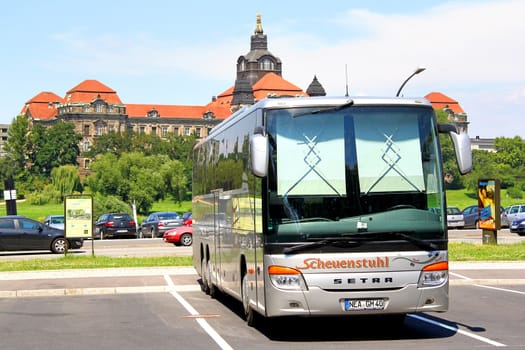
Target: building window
{"points": [[164, 131], [153, 130], [86, 130], [100, 130], [85, 147], [198, 132], [111, 128], [175, 131], [187, 131], [98, 108], [267, 64], [86, 164], [153, 113], [110, 109], [85, 108], [142, 129]]}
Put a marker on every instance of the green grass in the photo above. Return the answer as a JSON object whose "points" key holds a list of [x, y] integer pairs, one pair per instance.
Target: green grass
{"points": [[457, 252], [93, 262], [464, 198], [39, 212], [486, 252]]}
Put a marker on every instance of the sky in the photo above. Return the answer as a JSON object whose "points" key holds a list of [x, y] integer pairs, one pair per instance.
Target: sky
{"points": [[184, 53]]}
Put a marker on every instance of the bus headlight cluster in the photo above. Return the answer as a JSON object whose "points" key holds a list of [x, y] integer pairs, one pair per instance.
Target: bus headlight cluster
{"points": [[434, 275], [286, 278]]}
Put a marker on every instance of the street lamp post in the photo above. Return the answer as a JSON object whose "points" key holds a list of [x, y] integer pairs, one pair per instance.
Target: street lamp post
{"points": [[417, 71]]}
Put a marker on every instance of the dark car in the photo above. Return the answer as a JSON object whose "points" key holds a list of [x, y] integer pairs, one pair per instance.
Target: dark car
{"points": [[518, 226], [471, 217], [22, 233], [159, 222], [112, 225], [182, 235]]}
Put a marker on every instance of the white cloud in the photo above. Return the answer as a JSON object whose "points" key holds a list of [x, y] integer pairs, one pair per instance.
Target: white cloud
{"points": [[472, 51]]}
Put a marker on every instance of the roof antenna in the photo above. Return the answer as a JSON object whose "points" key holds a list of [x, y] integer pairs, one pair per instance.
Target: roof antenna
{"points": [[346, 77]]}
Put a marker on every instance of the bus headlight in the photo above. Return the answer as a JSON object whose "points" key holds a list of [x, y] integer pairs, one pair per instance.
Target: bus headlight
{"points": [[434, 275], [286, 278]]}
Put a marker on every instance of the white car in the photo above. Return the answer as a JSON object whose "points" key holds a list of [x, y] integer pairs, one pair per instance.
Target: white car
{"points": [[455, 218], [56, 221]]}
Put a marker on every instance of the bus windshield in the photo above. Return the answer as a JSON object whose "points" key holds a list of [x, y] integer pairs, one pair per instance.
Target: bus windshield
{"points": [[346, 172]]}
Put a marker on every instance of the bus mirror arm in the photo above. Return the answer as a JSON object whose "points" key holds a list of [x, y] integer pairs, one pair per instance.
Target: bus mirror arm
{"points": [[462, 147], [259, 154]]}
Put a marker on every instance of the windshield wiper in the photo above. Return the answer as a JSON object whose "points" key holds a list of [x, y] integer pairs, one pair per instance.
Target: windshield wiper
{"points": [[334, 241], [324, 109], [405, 235]]}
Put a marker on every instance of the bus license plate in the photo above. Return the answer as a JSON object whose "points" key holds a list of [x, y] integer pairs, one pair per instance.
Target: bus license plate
{"points": [[364, 304]]}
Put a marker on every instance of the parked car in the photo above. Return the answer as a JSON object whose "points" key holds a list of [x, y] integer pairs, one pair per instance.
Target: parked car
{"points": [[187, 219], [454, 218], [471, 217], [518, 226], [111, 225], [515, 212], [182, 235], [157, 223], [56, 221], [21, 233]]}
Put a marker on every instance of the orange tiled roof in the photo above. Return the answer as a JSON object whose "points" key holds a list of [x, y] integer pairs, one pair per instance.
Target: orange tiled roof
{"points": [[164, 111], [88, 90], [441, 101], [176, 111], [42, 106], [270, 83]]}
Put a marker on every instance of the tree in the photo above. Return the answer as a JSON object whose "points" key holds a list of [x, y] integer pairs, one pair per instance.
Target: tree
{"points": [[453, 178], [510, 151], [58, 146], [17, 142], [66, 180], [112, 142], [134, 177]]}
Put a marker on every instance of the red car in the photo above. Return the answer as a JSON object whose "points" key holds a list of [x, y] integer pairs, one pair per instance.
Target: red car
{"points": [[182, 235]]}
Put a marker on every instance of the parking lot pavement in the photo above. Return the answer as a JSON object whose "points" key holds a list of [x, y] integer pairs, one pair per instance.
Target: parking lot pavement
{"points": [[152, 280], [96, 281]]}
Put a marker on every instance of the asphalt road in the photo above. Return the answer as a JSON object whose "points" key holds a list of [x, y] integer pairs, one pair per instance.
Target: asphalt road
{"points": [[134, 309], [159, 308], [156, 247]]}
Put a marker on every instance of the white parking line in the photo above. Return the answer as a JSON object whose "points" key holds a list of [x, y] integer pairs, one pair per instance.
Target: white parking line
{"points": [[488, 287], [202, 322], [455, 329]]}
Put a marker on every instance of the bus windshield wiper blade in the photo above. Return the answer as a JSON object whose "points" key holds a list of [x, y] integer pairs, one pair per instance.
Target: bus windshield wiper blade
{"points": [[416, 241], [324, 109], [405, 235], [335, 241]]}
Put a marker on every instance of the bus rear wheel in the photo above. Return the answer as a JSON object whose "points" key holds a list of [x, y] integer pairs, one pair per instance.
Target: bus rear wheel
{"points": [[211, 288], [204, 286]]}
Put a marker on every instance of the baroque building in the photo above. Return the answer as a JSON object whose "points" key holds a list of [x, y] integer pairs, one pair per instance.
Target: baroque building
{"points": [[96, 109]]}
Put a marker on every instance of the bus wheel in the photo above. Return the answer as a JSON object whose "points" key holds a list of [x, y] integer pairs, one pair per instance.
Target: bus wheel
{"points": [[249, 314], [211, 287], [205, 286]]}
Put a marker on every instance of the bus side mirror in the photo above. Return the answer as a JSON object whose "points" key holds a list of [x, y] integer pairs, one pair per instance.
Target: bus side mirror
{"points": [[461, 143], [462, 147], [259, 154]]}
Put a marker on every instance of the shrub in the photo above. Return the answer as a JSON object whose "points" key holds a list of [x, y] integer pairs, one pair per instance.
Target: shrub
{"points": [[514, 192]]}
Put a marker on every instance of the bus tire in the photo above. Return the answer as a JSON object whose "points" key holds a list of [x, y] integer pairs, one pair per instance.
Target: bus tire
{"points": [[249, 314], [212, 289], [204, 286]]}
